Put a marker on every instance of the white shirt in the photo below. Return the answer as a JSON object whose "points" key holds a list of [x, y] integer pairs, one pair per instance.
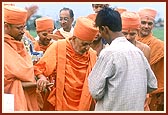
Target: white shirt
{"points": [[64, 33], [121, 78]]}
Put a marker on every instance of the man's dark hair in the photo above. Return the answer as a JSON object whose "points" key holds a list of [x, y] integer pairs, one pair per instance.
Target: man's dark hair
{"points": [[110, 18], [70, 11]]}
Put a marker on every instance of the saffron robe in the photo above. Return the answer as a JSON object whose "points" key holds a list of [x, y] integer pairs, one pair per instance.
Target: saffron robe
{"points": [[63, 34], [71, 85], [157, 64], [156, 58], [18, 68], [40, 47]]}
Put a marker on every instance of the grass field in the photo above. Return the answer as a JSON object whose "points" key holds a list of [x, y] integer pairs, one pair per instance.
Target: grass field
{"points": [[158, 32], [33, 33]]}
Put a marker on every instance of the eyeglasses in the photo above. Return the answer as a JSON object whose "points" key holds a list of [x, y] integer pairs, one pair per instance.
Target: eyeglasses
{"points": [[144, 23], [131, 33], [66, 19], [19, 27]]}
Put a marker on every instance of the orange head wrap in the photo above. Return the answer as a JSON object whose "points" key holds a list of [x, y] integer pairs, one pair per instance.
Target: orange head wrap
{"points": [[84, 29], [147, 12], [92, 16], [130, 20], [14, 15], [121, 10], [44, 23]]}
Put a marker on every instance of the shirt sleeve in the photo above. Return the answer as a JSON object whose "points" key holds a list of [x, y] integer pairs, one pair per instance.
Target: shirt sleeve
{"points": [[151, 80]]}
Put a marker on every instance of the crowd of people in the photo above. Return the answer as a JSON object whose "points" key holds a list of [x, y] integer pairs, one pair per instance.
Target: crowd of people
{"points": [[107, 61]]}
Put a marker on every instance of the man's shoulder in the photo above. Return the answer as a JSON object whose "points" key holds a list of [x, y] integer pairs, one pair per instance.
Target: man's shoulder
{"points": [[143, 45], [92, 51], [157, 43], [58, 33]]}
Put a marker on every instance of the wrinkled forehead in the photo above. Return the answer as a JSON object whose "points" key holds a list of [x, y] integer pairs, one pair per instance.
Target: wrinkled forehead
{"points": [[147, 19], [129, 30], [64, 13], [83, 41]]}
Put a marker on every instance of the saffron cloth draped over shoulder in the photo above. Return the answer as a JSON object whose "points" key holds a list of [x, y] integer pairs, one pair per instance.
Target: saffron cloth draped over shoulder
{"points": [[72, 69], [71, 91], [18, 68]]}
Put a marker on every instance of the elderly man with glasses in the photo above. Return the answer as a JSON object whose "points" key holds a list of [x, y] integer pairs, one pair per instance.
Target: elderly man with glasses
{"points": [[66, 18]]}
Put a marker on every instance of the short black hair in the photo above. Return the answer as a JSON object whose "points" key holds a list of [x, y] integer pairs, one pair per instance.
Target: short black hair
{"points": [[105, 5], [110, 18], [70, 11]]}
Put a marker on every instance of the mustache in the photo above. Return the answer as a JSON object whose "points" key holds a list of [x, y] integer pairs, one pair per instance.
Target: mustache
{"points": [[146, 29], [21, 34]]}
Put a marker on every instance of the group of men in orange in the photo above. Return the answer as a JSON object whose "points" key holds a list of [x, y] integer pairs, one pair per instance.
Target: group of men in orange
{"points": [[68, 60]]}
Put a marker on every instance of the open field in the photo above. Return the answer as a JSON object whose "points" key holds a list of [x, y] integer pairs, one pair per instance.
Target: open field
{"points": [[159, 33]]}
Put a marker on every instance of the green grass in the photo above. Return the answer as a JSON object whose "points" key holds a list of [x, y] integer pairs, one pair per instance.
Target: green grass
{"points": [[159, 33], [33, 33]]}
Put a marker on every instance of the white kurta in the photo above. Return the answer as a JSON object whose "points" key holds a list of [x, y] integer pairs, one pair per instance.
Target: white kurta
{"points": [[121, 78]]}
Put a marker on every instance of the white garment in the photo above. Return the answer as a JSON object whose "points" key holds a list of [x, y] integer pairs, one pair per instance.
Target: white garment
{"points": [[121, 78], [64, 33], [36, 38]]}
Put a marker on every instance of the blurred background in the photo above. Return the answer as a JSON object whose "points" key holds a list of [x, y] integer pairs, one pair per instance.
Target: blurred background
{"points": [[52, 9]]}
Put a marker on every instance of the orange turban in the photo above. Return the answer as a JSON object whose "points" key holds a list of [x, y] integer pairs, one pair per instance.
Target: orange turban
{"points": [[121, 10], [147, 12], [14, 15], [92, 16], [130, 20], [84, 29], [44, 23]]}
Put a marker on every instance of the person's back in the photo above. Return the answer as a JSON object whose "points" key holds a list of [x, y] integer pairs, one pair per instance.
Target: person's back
{"points": [[129, 80], [130, 29], [121, 77]]}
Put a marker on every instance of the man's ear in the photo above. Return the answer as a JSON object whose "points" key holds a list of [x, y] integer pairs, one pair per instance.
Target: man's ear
{"points": [[102, 28], [6, 26], [72, 19], [105, 29]]}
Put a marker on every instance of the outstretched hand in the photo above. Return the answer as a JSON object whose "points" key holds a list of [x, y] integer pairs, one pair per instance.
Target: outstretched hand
{"points": [[31, 10]]}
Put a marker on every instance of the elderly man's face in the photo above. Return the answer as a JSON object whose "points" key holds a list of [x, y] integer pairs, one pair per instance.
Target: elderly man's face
{"points": [[65, 19], [16, 31], [80, 46], [146, 26], [130, 34]]}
